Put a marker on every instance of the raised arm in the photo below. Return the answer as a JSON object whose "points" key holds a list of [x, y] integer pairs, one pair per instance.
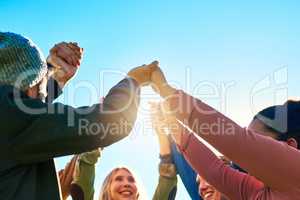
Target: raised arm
{"points": [[56, 129], [77, 178], [63, 62], [232, 183], [167, 183], [228, 181], [84, 176], [253, 152]]}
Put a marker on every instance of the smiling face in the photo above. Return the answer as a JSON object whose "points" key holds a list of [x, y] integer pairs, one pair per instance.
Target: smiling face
{"points": [[123, 186], [207, 191]]}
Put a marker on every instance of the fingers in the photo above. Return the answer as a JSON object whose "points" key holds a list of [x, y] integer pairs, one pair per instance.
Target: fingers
{"points": [[142, 74], [149, 69], [70, 52], [77, 50], [153, 66], [64, 70], [63, 51], [59, 62], [66, 175], [66, 53]]}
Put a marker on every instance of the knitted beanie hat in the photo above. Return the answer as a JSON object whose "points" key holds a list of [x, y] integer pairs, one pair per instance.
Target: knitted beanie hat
{"points": [[22, 64]]}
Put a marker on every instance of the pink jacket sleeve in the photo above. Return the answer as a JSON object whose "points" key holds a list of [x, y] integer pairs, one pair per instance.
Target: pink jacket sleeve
{"points": [[234, 184], [274, 163]]}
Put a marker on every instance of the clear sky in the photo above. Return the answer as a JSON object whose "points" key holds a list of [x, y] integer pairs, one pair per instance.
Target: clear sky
{"points": [[238, 56]]}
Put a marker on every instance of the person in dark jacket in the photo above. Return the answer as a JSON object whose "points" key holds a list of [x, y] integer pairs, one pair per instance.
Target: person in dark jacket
{"points": [[33, 132]]}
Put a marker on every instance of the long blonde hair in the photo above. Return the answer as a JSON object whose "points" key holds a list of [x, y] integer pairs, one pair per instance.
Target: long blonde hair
{"points": [[105, 188]]}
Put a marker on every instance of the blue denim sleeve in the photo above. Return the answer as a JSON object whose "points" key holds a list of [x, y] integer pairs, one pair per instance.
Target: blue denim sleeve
{"points": [[186, 173]]}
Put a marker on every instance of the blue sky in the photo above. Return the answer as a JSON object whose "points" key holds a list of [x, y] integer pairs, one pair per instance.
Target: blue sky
{"points": [[237, 56]]}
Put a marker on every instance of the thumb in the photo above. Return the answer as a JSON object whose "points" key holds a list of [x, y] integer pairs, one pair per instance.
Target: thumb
{"points": [[153, 66]]}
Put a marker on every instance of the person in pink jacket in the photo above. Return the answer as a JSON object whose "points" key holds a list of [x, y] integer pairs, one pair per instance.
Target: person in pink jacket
{"points": [[268, 149]]}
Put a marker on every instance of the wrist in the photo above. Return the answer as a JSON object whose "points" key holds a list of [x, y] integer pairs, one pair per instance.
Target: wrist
{"points": [[61, 83], [166, 158], [134, 79], [167, 170], [177, 133], [59, 76], [166, 91], [164, 151], [167, 167], [164, 144], [164, 148]]}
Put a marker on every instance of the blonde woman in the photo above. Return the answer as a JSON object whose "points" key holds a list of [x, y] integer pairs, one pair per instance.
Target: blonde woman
{"points": [[77, 180], [121, 184]]}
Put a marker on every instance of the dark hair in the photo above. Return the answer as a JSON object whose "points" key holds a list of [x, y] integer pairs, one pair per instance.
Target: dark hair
{"points": [[282, 120]]}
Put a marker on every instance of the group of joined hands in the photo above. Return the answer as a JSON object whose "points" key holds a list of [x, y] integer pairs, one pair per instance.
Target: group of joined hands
{"points": [[65, 59]]}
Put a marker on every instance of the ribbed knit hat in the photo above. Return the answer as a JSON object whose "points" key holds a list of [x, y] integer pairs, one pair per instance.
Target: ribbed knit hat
{"points": [[22, 64]]}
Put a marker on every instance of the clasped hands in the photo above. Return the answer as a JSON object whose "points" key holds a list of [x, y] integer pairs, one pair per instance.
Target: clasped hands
{"points": [[151, 74], [65, 58], [163, 118]]}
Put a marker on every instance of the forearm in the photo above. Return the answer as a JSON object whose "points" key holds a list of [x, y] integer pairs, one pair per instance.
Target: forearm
{"points": [[163, 140], [187, 174], [84, 176], [56, 130], [166, 188], [114, 119], [166, 90], [53, 90], [119, 109], [77, 178], [124, 99], [228, 181], [66, 177]]}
